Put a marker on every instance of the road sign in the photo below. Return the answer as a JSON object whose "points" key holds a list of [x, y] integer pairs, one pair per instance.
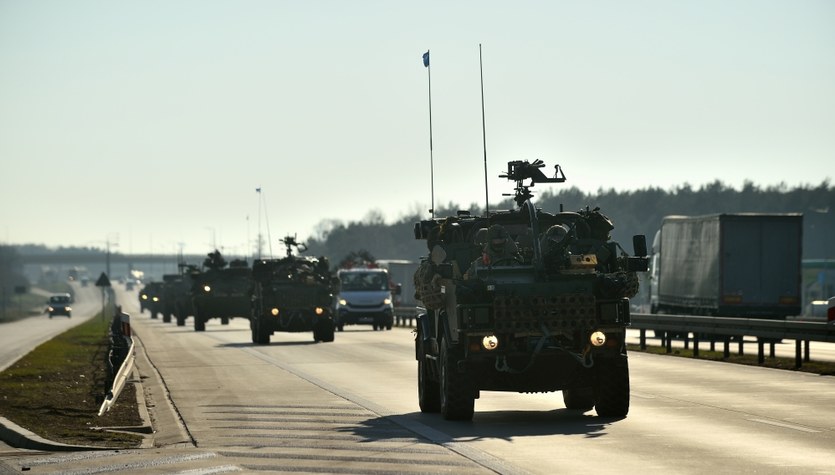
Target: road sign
{"points": [[103, 281]]}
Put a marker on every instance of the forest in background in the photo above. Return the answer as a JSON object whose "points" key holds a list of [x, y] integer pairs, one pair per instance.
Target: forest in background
{"points": [[633, 212]]}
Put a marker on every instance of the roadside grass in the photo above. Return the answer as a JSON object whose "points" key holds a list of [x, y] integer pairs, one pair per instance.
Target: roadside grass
{"points": [[823, 368], [56, 390]]}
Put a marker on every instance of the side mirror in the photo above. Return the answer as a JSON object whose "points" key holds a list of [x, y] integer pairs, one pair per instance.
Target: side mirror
{"points": [[639, 244]]}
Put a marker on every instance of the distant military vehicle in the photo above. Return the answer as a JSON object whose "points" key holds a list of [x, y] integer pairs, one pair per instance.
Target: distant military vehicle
{"points": [[220, 291], [176, 298], [292, 294], [525, 301], [150, 297]]}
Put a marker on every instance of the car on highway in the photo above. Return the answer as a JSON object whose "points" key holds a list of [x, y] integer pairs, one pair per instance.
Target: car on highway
{"points": [[59, 304], [820, 311]]}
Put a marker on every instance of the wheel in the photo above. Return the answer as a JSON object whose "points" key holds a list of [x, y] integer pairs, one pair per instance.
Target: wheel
{"points": [[166, 318], [457, 401], [429, 392], [261, 333], [224, 320], [374, 326], [581, 399], [326, 331], [181, 321], [154, 314], [612, 387], [199, 323], [340, 327]]}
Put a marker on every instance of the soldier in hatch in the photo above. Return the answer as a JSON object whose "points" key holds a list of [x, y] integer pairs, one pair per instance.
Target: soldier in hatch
{"points": [[499, 250], [554, 245]]}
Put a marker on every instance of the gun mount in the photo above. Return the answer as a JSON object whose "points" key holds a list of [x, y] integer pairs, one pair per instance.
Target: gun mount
{"points": [[520, 170], [290, 242]]}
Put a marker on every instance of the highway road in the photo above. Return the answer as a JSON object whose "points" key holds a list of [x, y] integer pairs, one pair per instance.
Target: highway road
{"points": [[20, 337], [351, 407]]}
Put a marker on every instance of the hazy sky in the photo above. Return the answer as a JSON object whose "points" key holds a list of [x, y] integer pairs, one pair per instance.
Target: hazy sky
{"points": [[151, 123]]}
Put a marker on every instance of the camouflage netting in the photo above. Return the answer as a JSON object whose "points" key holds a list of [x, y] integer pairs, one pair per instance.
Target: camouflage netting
{"points": [[428, 286]]}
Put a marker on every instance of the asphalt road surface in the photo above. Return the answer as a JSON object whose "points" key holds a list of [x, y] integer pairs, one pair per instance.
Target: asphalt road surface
{"points": [[351, 407]]}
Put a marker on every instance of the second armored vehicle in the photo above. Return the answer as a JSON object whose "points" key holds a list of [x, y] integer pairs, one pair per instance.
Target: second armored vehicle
{"points": [[220, 292], [292, 294]]}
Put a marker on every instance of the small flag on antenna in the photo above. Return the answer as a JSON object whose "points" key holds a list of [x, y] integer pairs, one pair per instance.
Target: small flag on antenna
{"points": [[426, 59]]}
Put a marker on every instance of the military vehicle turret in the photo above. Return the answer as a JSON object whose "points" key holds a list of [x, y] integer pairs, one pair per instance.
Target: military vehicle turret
{"points": [[220, 291], [526, 301], [292, 294]]}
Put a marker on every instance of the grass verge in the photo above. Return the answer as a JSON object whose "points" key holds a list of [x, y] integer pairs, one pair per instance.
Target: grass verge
{"points": [[823, 368], [56, 390]]}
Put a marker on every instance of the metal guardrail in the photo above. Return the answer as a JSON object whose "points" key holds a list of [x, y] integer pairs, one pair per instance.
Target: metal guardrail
{"points": [[725, 329], [121, 353]]}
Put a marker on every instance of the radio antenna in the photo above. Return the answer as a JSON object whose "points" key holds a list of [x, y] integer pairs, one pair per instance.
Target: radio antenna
{"points": [[431, 158], [483, 135]]}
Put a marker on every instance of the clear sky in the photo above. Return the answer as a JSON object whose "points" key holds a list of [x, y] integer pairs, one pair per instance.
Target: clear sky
{"points": [[150, 124]]}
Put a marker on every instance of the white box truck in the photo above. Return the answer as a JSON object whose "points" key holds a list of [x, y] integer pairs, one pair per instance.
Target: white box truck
{"points": [[744, 265]]}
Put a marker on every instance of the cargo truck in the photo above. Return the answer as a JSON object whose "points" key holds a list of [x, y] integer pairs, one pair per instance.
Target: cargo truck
{"points": [[733, 265]]}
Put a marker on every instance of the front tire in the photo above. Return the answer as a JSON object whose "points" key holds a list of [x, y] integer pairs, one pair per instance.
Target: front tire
{"points": [[612, 387], [429, 391], [457, 401], [199, 323], [578, 399], [260, 334]]}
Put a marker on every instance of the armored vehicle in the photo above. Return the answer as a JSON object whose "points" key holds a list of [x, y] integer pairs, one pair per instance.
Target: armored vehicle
{"points": [[176, 295], [220, 291], [292, 294], [527, 301], [150, 297]]}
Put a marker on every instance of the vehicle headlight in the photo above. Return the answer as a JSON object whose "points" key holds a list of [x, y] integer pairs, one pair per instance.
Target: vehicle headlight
{"points": [[68, 308], [387, 301], [207, 288], [156, 299], [51, 309], [490, 342], [144, 297], [598, 338], [343, 302], [274, 312], [319, 310]]}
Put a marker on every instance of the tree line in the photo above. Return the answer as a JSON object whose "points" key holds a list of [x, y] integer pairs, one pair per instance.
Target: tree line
{"points": [[633, 212]]}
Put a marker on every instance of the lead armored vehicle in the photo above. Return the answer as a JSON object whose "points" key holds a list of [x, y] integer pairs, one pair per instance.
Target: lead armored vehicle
{"points": [[292, 294], [526, 301], [220, 291]]}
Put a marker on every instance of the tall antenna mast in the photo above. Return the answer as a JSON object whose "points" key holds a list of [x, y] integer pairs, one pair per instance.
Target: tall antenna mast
{"points": [[258, 190], [483, 135], [431, 158]]}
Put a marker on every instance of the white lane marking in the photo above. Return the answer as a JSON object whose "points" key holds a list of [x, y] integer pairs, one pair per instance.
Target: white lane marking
{"points": [[784, 425]]}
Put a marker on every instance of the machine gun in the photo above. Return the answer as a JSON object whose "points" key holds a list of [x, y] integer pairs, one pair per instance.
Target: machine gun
{"points": [[290, 242], [519, 171]]}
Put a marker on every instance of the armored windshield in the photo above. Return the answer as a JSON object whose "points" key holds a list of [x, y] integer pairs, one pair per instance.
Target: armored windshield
{"points": [[364, 281]]}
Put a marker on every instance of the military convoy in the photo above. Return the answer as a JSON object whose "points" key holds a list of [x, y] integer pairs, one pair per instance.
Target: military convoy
{"points": [[292, 294], [527, 301], [220, 291]]}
